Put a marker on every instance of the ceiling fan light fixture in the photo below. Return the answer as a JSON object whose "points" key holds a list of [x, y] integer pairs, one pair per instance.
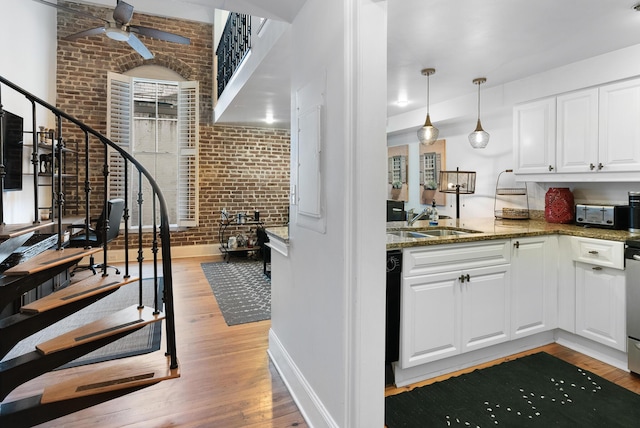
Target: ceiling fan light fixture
{"points": [[428, 134], [479, 138], [118, 34]]}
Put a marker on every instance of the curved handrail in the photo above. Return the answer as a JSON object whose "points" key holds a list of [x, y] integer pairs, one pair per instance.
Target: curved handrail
{"points": [[164, 216]]}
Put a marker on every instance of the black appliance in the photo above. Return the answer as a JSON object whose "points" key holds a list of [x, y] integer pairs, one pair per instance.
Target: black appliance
{"points": [[12, 133], [395, 210], [394, 281]]}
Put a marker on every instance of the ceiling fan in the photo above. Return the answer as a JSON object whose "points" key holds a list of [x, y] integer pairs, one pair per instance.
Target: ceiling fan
{"points": [[121, 29]]}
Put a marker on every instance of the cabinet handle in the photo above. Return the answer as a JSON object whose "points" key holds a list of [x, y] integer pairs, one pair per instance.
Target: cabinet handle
{"points": [[516, 244], [592, 166], [596, 268], [600, 166], [593, 252], [550, 168], [468, 278], [461, 279]]}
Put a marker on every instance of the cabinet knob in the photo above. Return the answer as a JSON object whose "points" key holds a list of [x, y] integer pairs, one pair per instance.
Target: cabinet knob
{"points": [[550, 168], [600, 166], [516, 244], [592, 166], [461, 278], [468, 278]]}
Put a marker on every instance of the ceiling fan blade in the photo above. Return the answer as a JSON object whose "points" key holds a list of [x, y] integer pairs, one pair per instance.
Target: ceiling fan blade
{"points": [[68, 9], [123, 13], [86, 33], [139, 47], [160, 35]]}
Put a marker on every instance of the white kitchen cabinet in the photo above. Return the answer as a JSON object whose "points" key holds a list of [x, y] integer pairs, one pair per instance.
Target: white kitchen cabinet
{"points": [[454, 311], [600, 305], [577, 131], [619, 135], [534, 285], [534, 135]]}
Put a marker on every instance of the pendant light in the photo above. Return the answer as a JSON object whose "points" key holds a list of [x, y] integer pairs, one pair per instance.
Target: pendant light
{"points": [[479, 138], [428, 134]]}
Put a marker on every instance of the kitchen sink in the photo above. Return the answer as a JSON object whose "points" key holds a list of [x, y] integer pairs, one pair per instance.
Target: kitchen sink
{"points": [[446, 232], [409, 234]]}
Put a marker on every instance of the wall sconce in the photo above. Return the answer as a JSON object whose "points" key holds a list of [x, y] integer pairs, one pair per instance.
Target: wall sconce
{"points": [[479, 138], [458, 182], [428, 134]]}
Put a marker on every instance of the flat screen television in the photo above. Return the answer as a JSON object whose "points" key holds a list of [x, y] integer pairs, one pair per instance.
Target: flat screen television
{"points": [[12, 142]]}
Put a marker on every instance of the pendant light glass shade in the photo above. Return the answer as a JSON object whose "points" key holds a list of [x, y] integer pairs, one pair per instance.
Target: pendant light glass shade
{"points": [[479, 138], [428, 134]]}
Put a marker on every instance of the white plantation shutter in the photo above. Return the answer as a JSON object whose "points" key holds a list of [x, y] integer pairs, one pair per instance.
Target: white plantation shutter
{"points": [[188, 120], [182, 201], [119, 116]]}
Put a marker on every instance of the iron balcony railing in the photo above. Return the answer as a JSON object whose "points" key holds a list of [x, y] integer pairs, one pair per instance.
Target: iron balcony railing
{"points": [[234, 45]]}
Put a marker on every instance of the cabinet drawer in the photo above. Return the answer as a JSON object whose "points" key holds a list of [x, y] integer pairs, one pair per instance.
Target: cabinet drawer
{"points": [[454, 257], [598, 252]]}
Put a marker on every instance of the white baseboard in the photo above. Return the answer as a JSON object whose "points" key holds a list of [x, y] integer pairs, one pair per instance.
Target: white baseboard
{"points": [[311, 407], [606, 354]]}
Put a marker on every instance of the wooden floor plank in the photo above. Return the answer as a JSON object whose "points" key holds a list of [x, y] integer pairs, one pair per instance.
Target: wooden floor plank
{"points": [[127, 319], [112, 376], [48, 259], [82, 289]]}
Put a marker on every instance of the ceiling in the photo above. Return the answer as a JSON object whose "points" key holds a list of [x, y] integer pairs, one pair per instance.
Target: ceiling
{"points": [[463, 39]]}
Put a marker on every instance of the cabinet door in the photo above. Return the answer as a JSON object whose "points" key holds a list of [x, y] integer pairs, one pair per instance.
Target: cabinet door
{"points": [[534, 129], [485, 307], [619, 135], [534, 285], [577, 132], [429, 327], [600, 305]]}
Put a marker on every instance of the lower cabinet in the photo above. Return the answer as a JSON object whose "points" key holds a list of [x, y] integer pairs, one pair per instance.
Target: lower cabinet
{"points": [[534, 285], [445, 314], [601, 305]]}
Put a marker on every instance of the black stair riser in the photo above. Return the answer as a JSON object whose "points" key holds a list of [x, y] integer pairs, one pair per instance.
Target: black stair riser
{"points": [[17, 327], [28, 366], [28, 412], [12, 287]]}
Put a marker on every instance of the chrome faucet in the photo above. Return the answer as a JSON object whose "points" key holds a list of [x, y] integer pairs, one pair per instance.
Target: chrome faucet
{"points": [[425, 212]]}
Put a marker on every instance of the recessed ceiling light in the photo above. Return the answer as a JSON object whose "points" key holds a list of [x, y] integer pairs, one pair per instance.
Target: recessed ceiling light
{"points": [[269, 118], [402, 103]]}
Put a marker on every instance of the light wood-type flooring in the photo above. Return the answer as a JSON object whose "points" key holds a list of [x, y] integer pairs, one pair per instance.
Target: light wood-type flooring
{"points": [[227, 380]]}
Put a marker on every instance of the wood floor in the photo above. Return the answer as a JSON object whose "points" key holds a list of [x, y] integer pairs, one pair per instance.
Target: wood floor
{"points": [[227, 379]]}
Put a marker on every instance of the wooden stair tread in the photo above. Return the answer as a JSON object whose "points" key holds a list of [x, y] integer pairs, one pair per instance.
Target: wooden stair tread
{"points": [[82, 289], [48, 259], [12, 230], [127, 319], [117, 374]]}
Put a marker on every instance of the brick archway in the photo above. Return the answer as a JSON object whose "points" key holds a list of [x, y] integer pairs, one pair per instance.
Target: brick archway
{"points": [[133, 60]]}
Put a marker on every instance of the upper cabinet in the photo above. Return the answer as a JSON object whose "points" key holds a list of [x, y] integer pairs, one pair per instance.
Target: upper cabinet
{"points": [[591, 134]]}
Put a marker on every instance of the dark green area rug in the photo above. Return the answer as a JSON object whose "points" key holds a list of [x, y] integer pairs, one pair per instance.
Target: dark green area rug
{"points": [[538, 390]]}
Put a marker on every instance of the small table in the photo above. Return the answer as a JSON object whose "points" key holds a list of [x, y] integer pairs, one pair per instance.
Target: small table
{"points": [[224, 246]]}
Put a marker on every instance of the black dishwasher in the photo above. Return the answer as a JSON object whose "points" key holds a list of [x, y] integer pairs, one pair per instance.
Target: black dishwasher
{"points": [[394, 281]]}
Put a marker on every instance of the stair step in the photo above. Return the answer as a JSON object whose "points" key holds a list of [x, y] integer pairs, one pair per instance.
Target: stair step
{"points": [[79, 290], [133, 372], [12, 230], [127, 319], [48, 259]]}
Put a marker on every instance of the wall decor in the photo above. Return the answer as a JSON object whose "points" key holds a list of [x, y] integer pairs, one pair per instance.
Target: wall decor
{"points": [[432, 161], [398, 173]]}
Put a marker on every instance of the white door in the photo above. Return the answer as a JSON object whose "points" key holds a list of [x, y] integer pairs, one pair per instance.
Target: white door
{"points": [[600, 305], [485, 307], [429, 327], [577, 131], [619, 139], [534, 134], [534, 285]]}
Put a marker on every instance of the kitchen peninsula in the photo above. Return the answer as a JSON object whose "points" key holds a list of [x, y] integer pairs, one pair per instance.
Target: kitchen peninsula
{"points": [[474, 290]]}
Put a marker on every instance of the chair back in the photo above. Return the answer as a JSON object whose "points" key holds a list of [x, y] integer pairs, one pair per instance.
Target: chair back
{"points": [[113, 211]]}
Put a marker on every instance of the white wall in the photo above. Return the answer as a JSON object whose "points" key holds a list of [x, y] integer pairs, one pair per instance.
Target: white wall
{"points": [[456, 119], [28, 59], [327, 326]]}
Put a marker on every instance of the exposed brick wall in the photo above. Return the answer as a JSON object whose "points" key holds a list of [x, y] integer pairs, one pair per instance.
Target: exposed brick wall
{"points": [[241, 168]]}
